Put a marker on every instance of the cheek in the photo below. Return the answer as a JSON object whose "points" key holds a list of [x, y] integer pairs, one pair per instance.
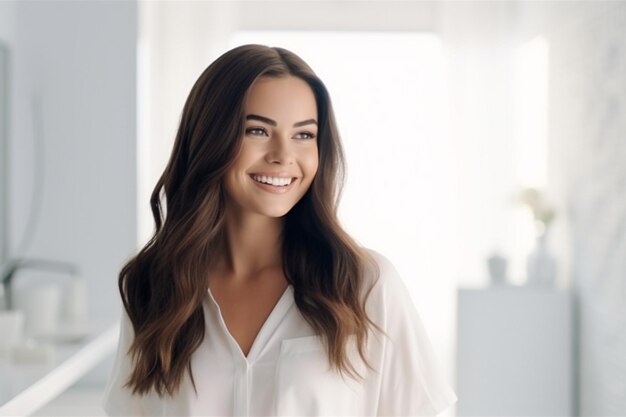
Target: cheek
{"points": [[230, 185], [311, 162], [245, 156], [241, 163], [233, 178]]}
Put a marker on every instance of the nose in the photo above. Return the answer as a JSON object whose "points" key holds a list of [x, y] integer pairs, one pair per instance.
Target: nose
{"points": [[280, 151]]}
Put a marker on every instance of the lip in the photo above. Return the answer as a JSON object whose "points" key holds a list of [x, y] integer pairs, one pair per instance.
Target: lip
{"points": [[273, 188], [274, 174]]}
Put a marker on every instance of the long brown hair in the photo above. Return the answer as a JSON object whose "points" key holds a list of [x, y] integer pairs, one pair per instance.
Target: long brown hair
{"points": [[164, 285]]}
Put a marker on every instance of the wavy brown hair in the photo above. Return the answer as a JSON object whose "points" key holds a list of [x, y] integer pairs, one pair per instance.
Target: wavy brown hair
{"points": [[164, 285]]}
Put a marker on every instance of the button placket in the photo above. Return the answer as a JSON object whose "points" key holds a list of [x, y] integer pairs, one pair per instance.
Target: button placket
{"points": [[242, 389], [242, 375]]}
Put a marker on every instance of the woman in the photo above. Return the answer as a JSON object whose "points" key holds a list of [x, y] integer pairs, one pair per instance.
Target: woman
{"points": [[250, 299]]}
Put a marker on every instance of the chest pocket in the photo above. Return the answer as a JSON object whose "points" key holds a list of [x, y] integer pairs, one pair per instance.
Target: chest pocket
{"points": [[307, 386]]}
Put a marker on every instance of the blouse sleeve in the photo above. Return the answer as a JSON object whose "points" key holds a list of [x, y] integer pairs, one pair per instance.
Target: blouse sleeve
{"points": [[119, 400], [412, 380]]}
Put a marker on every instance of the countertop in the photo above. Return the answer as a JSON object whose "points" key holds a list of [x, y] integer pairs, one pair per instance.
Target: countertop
{"points": [[26, 386]]}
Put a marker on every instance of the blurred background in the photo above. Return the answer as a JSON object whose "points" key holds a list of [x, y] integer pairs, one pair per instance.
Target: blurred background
{"points": [[485, 158]]}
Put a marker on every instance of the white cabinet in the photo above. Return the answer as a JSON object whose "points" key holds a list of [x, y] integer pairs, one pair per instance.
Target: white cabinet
{"points": [[515, 353]]}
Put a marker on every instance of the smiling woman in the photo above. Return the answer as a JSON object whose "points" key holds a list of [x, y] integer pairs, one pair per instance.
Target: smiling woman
{"points": [[250, 298], [278, 153]]}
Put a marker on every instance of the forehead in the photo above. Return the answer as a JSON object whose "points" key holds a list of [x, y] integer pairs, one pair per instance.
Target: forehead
{"points": [[282, 98]]}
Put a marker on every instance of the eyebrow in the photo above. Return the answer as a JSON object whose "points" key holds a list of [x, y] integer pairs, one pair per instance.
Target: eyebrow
{"points": [[273, 122]]}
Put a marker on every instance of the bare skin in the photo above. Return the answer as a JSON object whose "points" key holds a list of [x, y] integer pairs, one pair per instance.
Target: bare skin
{"points": [[247, 281], [248, 290]]}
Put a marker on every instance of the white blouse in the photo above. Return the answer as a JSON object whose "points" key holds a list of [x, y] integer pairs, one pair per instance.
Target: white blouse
{"points": [[286, 372]]}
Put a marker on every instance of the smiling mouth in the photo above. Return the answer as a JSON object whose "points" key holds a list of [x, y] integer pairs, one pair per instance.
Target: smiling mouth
{"points": [[273, 181]]}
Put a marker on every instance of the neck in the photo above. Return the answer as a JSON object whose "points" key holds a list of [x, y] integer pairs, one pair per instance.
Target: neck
{"points": [[252, 243]]}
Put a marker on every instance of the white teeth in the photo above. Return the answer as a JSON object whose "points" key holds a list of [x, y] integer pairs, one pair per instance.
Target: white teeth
{"points": [[279, 182]]}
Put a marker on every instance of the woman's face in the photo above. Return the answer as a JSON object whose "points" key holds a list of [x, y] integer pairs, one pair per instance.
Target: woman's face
{"points": [[278, 157]]}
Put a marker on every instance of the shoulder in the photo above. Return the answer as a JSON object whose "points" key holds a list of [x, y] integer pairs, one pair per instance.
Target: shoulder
{"points": [[380, 271], [382, 282]]}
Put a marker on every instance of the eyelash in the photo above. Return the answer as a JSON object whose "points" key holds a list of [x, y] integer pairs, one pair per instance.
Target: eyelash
{"points": [[251, 129]]}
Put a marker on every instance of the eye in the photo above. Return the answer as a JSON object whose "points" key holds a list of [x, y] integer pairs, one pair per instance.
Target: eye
{"points": [[256, 131], [305, 135]]}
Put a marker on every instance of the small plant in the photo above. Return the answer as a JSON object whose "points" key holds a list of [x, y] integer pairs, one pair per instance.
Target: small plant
{"points": [[542, 210]]}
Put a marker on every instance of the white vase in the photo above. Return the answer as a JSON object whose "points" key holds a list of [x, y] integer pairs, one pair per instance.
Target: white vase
{"points": [[541, 265], [497, 266]]}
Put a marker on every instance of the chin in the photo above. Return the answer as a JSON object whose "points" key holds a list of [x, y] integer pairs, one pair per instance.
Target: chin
{"points": [[276, 213]]}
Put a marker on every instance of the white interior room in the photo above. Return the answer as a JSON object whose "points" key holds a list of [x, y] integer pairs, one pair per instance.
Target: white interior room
{"points": [[479, 136]]}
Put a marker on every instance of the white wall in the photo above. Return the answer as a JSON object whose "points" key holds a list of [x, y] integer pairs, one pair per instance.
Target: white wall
{"points": [[479, 40], [7, 22], [587, 156], [7, 38], [78, 60]]}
